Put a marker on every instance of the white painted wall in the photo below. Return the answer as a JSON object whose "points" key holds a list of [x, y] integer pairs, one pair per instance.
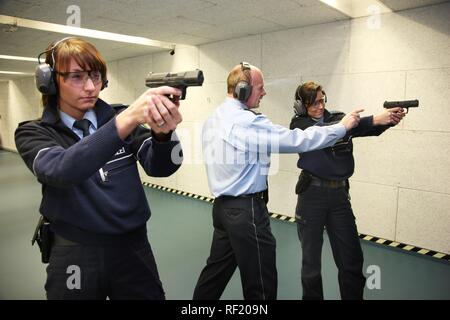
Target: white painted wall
{"points": [[19, 101], [400, 188], [360, 65], [4, 125]]}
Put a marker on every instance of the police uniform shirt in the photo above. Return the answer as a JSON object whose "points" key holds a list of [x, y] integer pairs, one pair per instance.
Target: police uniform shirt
{"points": [[237, 144]]}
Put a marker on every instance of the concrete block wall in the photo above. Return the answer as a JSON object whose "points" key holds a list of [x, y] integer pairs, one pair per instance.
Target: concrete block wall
{"points": [[19, 101], [400, 188], [4, 125]]}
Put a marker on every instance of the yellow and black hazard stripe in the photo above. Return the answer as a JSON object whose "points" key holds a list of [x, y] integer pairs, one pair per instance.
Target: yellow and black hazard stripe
{"points": [[281, 217], [406, 247], [390, 243], [181, 193]]}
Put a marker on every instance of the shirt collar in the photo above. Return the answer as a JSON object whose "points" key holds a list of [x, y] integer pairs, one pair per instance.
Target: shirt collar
{"points": [[236, 103], [318, 120], [102, 110], [69, 120]]}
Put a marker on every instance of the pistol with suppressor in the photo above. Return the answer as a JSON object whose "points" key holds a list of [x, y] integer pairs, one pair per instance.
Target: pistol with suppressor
{"points": [[179, 80]]}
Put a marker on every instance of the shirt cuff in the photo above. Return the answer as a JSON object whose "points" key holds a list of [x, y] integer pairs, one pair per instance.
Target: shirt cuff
{"points": [[341, 131]]}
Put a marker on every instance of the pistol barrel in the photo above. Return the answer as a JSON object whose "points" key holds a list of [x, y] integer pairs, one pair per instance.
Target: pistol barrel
{"points": [[402, 104]]}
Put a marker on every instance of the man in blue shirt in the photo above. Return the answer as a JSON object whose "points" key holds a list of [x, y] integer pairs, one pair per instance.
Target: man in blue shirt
{"points": [[237, 143], [84, 154]]}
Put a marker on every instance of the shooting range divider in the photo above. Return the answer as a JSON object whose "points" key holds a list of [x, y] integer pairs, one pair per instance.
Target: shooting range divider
{"points": [[389, 243]]}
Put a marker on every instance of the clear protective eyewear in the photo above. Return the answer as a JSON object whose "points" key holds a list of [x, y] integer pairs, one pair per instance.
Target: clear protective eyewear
{"points": [[319, 102], [79, 78]]}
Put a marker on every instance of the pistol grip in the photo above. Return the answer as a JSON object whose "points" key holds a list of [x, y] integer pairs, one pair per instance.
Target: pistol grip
{"points": [[183, 93]]}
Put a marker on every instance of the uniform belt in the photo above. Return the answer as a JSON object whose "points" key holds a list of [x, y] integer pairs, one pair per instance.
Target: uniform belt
{"points": [[254, 195], [60, 241], [259, 194], [335, 184]]}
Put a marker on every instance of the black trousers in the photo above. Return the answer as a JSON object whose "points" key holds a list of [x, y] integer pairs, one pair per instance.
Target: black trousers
{"points": [[319, 207], [242, 238], [88, 272]]}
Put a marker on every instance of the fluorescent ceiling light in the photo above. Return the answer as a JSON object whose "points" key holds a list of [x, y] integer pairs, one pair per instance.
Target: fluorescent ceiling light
{"points": [[90, 33], [18, 58], [16, 72], [358, 8]]}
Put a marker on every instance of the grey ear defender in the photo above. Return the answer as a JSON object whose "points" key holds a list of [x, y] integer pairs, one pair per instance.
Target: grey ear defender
{"points": [[45, 82], [45, 75], [299, 107], [243, 88], [242, 91]]}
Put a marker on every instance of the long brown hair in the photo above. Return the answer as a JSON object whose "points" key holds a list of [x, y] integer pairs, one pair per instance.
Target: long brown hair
{"points": [[84, 54]]}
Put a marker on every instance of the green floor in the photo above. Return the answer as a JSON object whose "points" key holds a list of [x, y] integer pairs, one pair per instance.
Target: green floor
{"points": [[180, 232]]}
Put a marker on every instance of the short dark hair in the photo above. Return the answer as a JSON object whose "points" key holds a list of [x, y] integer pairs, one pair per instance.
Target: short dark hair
{"points": [[307, 92]]}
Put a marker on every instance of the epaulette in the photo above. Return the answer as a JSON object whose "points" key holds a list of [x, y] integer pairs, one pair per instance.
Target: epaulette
{"points": [[118, 106], [335, 115], [27, 121], [254, 112], [335, 112]]}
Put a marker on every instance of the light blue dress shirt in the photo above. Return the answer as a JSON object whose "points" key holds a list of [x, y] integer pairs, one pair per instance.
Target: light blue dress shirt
{"points": [[237, 144], [69, 121]]}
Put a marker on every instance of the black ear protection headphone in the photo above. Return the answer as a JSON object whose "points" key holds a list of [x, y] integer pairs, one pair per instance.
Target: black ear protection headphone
{"points": [[299, 106], [45, 74], [243, 88]]}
